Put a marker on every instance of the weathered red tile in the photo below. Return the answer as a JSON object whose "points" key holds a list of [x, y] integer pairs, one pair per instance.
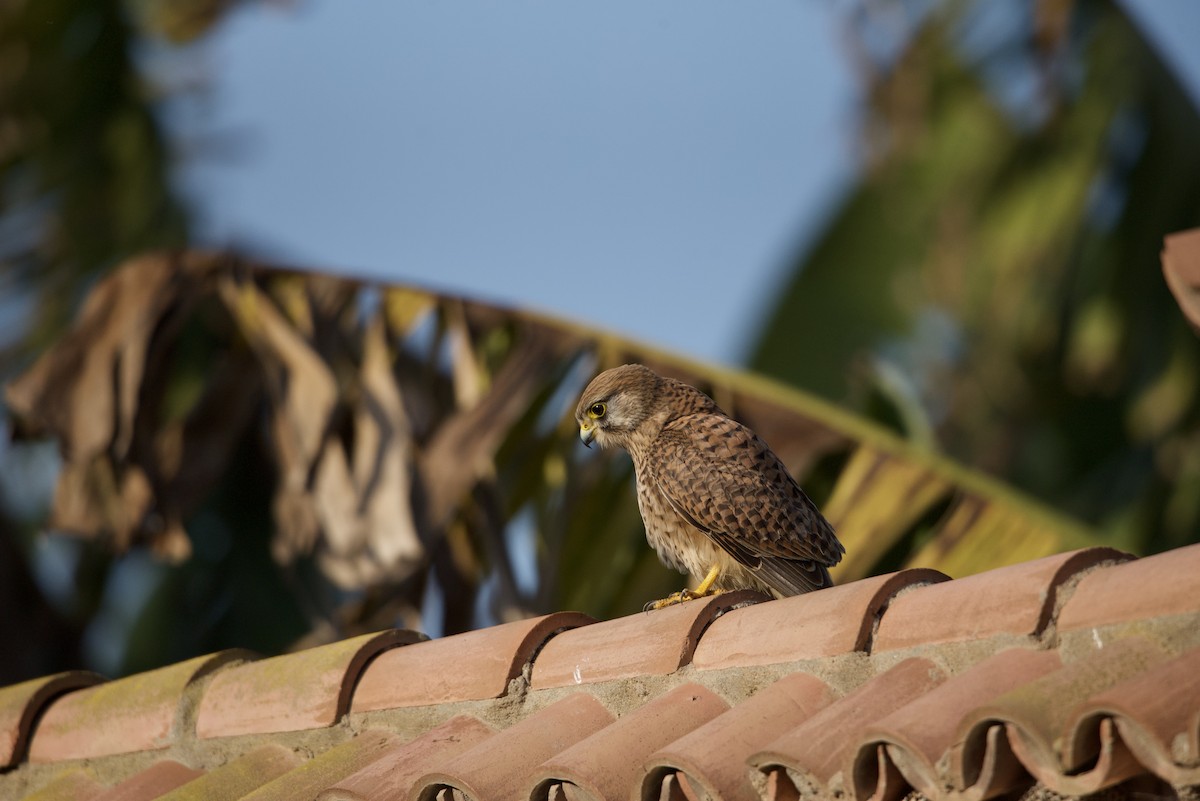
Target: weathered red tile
{"points": [[1181, 270], [820, 748], [648, 643], [21, 703], [711, 761], [238, 778], [390, 777], [1110, 764], [1037, 718], [1153, 586], [1186, 246], [72, 785], [1154, 718], [608, 764], [135, 713], [778, 787], [323, 770], [153, 782], [914, 738], [986, 767], [674, 787], [1018, 599], [304, 690], [501, 765], [471, 666], [887, 782], [837, 620]]}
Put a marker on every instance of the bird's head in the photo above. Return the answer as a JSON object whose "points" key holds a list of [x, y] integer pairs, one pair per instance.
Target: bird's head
{"points": [[615, 404]]}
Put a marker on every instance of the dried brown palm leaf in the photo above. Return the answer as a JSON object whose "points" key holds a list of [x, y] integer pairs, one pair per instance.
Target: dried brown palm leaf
{"points": [[434, 432]]}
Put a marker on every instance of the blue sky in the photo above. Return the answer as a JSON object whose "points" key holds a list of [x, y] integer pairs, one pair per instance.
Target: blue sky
{"points": [[648, 167]]}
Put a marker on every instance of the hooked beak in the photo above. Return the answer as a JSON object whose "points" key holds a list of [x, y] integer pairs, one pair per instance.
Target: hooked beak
{"points": [[587, 433]]}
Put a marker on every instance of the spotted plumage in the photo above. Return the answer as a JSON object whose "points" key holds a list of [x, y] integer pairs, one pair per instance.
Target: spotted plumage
{"points": [[715, 500]]}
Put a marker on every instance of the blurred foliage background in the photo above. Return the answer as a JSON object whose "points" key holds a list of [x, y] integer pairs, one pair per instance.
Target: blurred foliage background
{"points": [[262, 458], [992, 283]]}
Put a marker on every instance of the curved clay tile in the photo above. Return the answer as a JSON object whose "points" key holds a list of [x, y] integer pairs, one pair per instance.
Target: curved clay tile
{"points": [[983, 765], [1108, 761], [21, 704], [887, 782], [816, 753], [469, 666], [1017, 600], [1162, 585], [326, 768], [1181, 270], [154, 782], [307, 689], [501, 765], [240, 777], [915, 737], [1036, 717], [837, 620], [142, 712], [391, 775], [73, 785], [648, 643], [608, 763], [1160, 732], [711, 761]]}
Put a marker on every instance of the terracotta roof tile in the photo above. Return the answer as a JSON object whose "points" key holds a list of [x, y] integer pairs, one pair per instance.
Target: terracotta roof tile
{"points": [[712, 759], [1181, 269], [241, 776], [71, 785], [779, 787], [835, 621], [805, 697], [303, 690], [816, 752], [1038, 719], [435, 672], [1185, 246], [324, 770], [1161, 732], [1153, 586], [153, 782], [651, 643], [1018, 600], [136, 713], [608, 763], [501, 766], [21, 704], [392, 774], [907, 745]]}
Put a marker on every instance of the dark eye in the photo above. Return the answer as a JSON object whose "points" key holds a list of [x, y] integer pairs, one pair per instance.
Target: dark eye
{"points": [[597, 410]]}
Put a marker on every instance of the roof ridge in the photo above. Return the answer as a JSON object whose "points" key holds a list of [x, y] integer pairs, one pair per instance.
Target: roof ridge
{"points": [[1012, 676]]}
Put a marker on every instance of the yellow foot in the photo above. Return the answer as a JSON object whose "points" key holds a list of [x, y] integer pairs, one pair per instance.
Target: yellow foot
{"points": [[680, 597], [703, 590]]}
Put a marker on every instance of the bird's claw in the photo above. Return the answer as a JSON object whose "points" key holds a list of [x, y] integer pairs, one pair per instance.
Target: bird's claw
{"points": [[678, 598], [671, 600]]}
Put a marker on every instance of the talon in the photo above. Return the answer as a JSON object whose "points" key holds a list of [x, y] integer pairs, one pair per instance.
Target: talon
{"points": [[682, 596], [662, 603], [671, 600]]}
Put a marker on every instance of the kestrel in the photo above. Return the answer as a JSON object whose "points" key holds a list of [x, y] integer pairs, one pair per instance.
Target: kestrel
{"points": [[716, 501]]}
